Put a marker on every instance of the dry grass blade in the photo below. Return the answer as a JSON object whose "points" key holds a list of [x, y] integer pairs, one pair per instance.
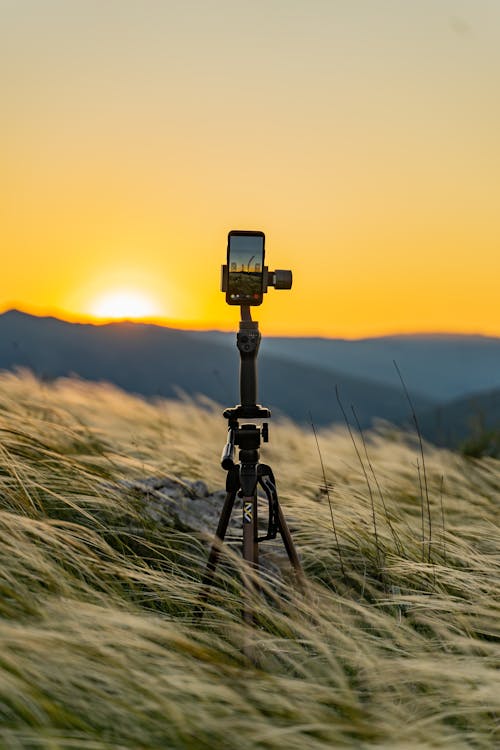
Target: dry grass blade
{"points": [[98, 644]]}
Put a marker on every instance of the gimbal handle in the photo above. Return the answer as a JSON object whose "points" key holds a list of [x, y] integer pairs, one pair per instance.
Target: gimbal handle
{"points": [[248, 342]]}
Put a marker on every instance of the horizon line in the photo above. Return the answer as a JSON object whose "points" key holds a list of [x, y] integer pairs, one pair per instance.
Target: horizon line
{"points": [[197, 326]]}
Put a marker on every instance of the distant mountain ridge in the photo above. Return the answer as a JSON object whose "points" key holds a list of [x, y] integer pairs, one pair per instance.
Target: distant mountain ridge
{"points": [[442, 367], [471, 418], [156, 361], [297, 376]]}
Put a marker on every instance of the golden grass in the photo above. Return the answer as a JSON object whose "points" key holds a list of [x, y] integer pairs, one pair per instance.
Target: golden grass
{"points": [[395, 646]]}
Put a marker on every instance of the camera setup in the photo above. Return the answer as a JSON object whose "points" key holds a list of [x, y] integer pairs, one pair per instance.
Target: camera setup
{"points": [[245, 279]]}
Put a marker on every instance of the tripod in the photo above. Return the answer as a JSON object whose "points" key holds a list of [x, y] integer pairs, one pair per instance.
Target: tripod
{"points": [[243, 478]]}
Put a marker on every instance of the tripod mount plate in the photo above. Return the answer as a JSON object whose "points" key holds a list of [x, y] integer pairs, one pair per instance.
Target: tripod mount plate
{"points": [[255, 411]]}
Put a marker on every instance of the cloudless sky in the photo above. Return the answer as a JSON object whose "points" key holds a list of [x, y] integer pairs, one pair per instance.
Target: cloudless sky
{"points": [[362, 136]]}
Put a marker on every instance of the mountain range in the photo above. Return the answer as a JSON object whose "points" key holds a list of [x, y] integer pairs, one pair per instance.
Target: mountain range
{"points": [[440, 367], [298, 377]]}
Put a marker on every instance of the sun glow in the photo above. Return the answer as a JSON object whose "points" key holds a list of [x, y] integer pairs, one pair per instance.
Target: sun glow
{"points": [[124, 305]]}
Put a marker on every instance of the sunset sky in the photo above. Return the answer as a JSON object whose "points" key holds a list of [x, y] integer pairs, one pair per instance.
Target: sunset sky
{"points": [[362, 136]]}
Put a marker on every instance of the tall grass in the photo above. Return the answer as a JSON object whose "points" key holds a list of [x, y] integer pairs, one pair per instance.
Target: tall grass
{"points": [[98, 644]]}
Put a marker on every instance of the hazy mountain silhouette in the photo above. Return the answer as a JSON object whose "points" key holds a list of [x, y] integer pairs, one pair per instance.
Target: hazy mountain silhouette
{"points": [[439, 366], [465, 418], [156, 361]]}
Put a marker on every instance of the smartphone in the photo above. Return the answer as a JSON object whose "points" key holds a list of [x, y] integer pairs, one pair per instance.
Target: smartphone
{"points": [[245, 268]]}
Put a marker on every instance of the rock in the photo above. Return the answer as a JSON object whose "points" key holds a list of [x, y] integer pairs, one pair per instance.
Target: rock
{"points": [[199, 488], [171, 501]]}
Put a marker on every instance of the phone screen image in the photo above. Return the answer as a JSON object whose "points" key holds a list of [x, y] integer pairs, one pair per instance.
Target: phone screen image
{"points": [[245, 261]]}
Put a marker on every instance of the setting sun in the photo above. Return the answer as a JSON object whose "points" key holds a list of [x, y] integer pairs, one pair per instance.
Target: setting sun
{"points": [[124, 304]]}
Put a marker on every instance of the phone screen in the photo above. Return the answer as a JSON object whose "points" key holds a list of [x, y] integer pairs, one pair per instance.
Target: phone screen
{"points": [[245, 263]]}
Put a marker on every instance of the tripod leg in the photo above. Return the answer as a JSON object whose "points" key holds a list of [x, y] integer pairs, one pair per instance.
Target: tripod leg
{"points": [[277, 521], [290, 549], [216, 549], [255, 532], [250, 547]]}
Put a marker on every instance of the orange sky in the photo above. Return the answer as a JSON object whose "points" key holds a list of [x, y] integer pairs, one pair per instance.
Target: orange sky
{"points": [[360, 136]]}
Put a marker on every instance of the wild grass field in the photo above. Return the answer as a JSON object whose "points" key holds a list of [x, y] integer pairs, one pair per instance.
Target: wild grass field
{"points": [[394, 645]]}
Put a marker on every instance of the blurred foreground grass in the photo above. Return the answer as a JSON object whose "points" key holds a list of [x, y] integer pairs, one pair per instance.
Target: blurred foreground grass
{"points": [[396, 645]]}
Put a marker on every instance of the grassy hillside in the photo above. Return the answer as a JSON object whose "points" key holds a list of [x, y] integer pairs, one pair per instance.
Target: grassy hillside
{"points": [[394, 646]]}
